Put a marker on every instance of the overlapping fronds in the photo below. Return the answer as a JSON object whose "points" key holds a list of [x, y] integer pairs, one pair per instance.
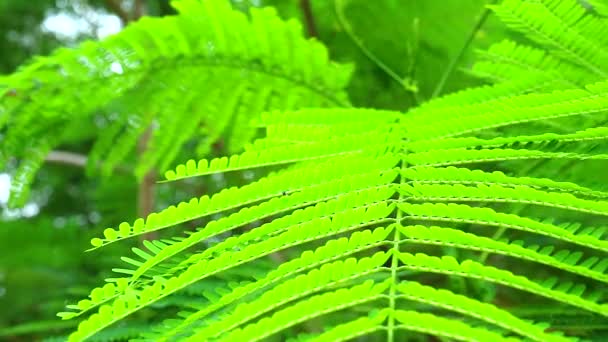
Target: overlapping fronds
{"points": [[375, 198], [564, 28], [599, 6], [370, 216], [192, 79], [569, 51]]}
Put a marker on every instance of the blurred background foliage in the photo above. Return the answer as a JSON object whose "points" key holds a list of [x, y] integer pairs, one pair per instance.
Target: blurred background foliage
{"points": [[405, 53]]}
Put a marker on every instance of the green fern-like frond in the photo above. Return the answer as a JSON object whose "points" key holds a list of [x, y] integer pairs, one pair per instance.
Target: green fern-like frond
{"points": [[215, 66], [507, 61], [375, 204], [358, 222], [563, 27], [572, 49]]}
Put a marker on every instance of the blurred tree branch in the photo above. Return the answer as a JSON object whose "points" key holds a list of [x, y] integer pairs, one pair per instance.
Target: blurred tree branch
{"points": [[146, 191], [68, 158], [309, 19], [114, 6], [75, 159]]}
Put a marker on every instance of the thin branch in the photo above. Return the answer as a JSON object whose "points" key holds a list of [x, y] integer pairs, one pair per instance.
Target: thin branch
{"points": [[68, 158], [456, 59], [76, 159], [114, 6], [309, 19], [406, 83]]}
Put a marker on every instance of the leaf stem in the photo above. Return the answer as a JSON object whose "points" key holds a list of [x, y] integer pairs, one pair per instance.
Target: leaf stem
{"points": [[454, 61], [406, 83], [390, 336]]}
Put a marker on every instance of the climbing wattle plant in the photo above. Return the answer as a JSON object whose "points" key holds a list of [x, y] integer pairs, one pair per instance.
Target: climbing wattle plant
{"points": [[476, 216]]}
